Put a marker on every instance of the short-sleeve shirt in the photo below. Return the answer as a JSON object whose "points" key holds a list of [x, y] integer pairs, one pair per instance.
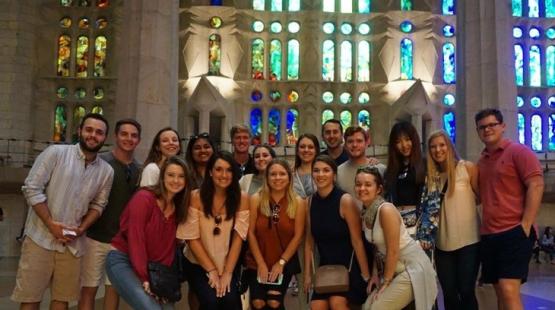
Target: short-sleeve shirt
{"points": [[343, 157], [501, 180]]}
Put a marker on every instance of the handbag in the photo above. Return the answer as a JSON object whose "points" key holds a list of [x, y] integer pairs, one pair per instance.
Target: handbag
{"points": [[331, 279], [164, 281]]}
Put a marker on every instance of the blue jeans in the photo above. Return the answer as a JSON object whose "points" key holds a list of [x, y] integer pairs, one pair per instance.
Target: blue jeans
{"points": [[127, 284]]}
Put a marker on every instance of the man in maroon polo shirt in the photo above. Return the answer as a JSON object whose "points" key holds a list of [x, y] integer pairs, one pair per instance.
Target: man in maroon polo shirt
{"points": [[511, 188]]}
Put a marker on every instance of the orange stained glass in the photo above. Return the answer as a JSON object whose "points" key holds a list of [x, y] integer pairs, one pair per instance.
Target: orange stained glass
{"points": [[84, 23], [102, 3], [65, 22], [100, 45], [64, 54], [82, 57]]}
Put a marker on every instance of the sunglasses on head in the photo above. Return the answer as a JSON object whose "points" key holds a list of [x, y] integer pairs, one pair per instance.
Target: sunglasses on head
{"points": [[203, 135]]}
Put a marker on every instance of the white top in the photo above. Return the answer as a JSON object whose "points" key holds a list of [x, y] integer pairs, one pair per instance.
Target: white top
{"points": [[377, 237], [150, 175]]}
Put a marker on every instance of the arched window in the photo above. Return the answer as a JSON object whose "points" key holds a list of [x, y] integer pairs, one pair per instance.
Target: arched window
{"points": [[102, 3], [517, 8], [275, 60], [449, 125], [82, 57], [520, 128], [97, 109], [549, 8], [363, 74], [100, 46], [60, 123], [328, 5], [258, 5], [551, 143], [533, 8], [550, 65], [327, 114], [293, 51], [256, 126], [519, 101], [406, 5], [364, 6], [215, 54], [364, 119], [535, 66], [276, 5], [328, 60], [64, 54], [519, 65], [346, 6], [449, 75], [292, 126], [406, 59], [448, 7], [346, 118], [78, 114], [294, 5], [537, 136], [257, 59], [346, 61], [274, 122]]}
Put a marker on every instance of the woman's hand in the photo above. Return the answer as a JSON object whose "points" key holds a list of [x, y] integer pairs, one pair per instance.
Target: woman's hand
{"points": [[213, 279], [373, 283], [426, 245], [307, 282], [277, 269], [380, 290], [262, 272], [225, 284]]}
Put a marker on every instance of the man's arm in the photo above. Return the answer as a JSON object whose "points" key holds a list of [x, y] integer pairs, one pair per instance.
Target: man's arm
{"points": [[55, 228], [534, 193], [89, 219]]}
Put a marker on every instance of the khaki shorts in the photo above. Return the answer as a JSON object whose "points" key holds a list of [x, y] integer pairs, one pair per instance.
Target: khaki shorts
{"points": [[40, 268], [93, 264]]}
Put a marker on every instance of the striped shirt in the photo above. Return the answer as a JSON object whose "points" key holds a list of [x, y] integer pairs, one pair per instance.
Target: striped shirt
{"points": [[60, 177]]}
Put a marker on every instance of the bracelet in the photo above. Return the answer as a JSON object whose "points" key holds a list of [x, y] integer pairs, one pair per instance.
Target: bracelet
{"points": [[386, 282], [366, 279]]}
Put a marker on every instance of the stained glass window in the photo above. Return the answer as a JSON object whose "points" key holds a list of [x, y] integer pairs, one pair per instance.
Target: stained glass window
{"points": [[551, 101], [327, 114], [535, 102], [97, 109], [517, 32], [406, 59], [345, 98], [448, 31], [363, 74], [66, 3], [80, 93], [364, 29], [550, 65], [327, 97], [448, 7], [328, 28], [551, 143], [100, 46], [215, 22], [275, 95], [257, 26], [292, 126], [346, 6], [257, 59], [82, 56], [293, 96], [293, 54], [346, 28], [537, 135], [275, 60], [328, 60], [102, 3], [449, 125], [549, 8], [519, 102], [364, 6], [406, 5], [406, 26], [101, 23], [98, 93], [64, 54], [83, 3], [65, 22], [449, 75], [533, 8], [83, 23], [275, 27], [364, 119], [274, 121], [519, 65], [448, 100], [534, 33], [517, 8], [214, 54], [256, 95], [256, 126], [294, 5], [78, 114], [535, 66], [328, 5], [276, 5], [60, 123], [62, 92], [363, 98], [346, 118], [293, 27], [258, 5], [550, 33], [346, 61], [520, 128]]}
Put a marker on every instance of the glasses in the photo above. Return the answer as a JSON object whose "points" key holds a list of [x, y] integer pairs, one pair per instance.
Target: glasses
{"points": [[127, 173], [203, 135], [486, 126], [218, 220], [274, 216]]}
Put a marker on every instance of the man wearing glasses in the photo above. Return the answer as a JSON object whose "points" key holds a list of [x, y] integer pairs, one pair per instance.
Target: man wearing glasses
{"points": [[240, 140], [126, 175], [511, 187]]}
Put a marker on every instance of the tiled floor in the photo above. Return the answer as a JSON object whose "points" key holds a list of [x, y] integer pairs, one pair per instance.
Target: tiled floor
{"points": [[538, 293]]}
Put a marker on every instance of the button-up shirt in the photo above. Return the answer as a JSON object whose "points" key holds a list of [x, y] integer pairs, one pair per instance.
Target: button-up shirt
{"points": [[61, 179]]}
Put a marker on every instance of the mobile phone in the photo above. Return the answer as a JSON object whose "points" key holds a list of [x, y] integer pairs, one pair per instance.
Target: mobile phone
{"points": [[69, 233], [278, 281]]}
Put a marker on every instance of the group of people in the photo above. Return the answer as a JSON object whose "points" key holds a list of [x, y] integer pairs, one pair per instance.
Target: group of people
{"points": [[235, 218]]}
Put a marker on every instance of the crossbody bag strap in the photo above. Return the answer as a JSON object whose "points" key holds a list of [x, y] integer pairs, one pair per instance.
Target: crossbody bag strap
{"points": [[312, 256]]}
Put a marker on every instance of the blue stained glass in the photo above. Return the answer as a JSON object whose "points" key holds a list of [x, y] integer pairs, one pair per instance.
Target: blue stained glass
{"points": [[363, 74], [549, 8], [256, 126], [346, 60], [406, 59], [550, 33], [292, 126], [216, 2], [519, 65], [328, 60], [327, 114], [276, 5], [406, 26], [258, 5], [534, 33], [517, 32], [550, 65], [448, 31], [256, 95], [535, 66], [519, 102], [294, 5], [517, 8], [448, 7], [537, 136], [551, 144], [293, 51], [535, 102], [520, 128], [551, 101], [448, 100], [406, 5], [449, 75], [533, 8], [364, 119], [364, 6], [328, 5], [346, 6], [274, 121], [449, 125]]}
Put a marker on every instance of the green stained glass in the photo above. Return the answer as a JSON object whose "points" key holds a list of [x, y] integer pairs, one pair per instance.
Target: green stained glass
{"points": [[215, 22], [97, 109], [275, 95], [364, 119], [293, 54], [346, 118], [346, 69], [60, 123], [406, 5], [98, 93], [328, 60], [258, 5], [535, 66], [276, 5], [406, 59], [274, 122], [293, 27], [519, 65], [275, 60], [364, 6], [517, 8], [550, 65], [257, 59], [363, 65], [327, 115], [345, 98], [64, 54], [62, 92], [257, 26], [520, 128], [346, 28], [82, 57], [83, 3], [549, 8], [80, 93], [537, 135], [292, 126], [346, 6], [66, 3], [327, 97], [328, 28], [364, 29], [364, 98], [275, 27], [65, 22], [78, 114], [100, 47], [328, 5]]}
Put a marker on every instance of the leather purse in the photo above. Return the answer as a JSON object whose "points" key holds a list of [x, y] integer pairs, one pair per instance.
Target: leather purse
{"points": [[164, 282], [331, 279]]}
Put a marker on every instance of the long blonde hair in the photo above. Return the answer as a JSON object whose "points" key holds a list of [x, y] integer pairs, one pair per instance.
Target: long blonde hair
{"points": [[292, 203], [434, 169]]}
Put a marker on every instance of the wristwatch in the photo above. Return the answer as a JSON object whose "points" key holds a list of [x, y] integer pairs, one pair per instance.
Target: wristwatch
{"points": [[282, 262]]}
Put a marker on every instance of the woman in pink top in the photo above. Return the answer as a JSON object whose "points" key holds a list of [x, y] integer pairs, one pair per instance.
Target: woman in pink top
{"points": [[147, 234]]}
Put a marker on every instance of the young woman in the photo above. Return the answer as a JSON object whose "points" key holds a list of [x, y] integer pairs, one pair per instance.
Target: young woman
{"points": [[333, 225], [405, 174], [199, 150], [306, 150], [166, 144], [251, 183], [547, 244], [277, 220], [408, 274], [453, 229], [218, 219], [147, 234]]}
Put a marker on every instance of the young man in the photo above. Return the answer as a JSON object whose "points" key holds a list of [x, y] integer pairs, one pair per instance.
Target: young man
{"points": [[126, 175], [356, 142], [67, 189], [332, 134], [240, 139], [511, 187]]}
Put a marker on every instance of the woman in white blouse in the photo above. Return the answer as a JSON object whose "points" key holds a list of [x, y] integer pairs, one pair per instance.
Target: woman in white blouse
{"points": [[166, 144]]}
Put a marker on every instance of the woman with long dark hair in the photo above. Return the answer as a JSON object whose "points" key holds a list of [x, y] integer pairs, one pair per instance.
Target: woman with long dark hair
{"points": [[306, 150], [166, 144], [199, 150], [147, 234], [217, 223], [262, 155]]}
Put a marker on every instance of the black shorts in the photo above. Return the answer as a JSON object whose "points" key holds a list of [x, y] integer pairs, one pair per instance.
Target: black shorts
{"points": [[506, 255], [260, 291]]}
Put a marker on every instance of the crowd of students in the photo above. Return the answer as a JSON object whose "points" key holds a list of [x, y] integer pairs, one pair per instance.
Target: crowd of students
{"points": [[236, 220]]}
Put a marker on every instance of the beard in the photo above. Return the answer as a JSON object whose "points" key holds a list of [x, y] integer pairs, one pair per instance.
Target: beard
{"points": [[85, 147]]}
